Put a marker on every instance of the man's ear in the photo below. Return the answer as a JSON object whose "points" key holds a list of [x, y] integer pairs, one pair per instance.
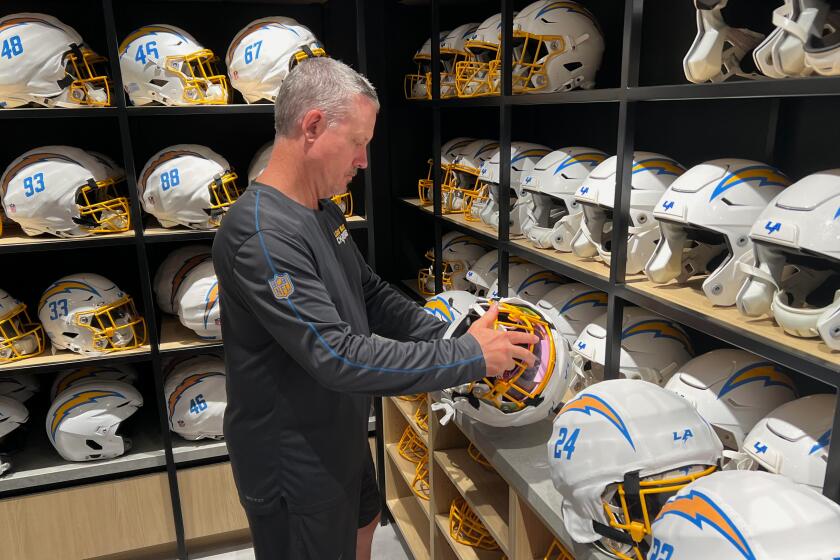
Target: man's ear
{"points": [[313, 124]]}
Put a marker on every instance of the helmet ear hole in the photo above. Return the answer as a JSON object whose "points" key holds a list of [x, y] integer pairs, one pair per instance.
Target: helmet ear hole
{"points": [[93, 445]]}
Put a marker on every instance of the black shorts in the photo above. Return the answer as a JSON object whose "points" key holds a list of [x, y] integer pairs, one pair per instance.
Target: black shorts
{"points": [[323, 535]]}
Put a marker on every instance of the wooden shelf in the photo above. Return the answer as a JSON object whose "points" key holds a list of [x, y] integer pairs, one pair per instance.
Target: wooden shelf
{"points": [[176, 337], [65, 358], [39, 464], [407, 409], [480, 229], [406, 469], [407, 518], [485, 491], [462, 551], [184, 450], [691, 297], [592, 266], [14, 240]]}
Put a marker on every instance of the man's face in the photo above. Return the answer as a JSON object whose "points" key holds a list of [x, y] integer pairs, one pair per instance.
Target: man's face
{"points": [[341, 149]]}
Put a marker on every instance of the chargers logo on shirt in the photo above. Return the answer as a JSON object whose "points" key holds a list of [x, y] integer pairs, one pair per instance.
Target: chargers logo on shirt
{"points": [[341, 234], [281, 286]]}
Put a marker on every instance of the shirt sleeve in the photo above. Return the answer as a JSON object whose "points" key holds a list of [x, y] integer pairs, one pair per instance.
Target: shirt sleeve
{"points": [[393, 315], [276, 276]]}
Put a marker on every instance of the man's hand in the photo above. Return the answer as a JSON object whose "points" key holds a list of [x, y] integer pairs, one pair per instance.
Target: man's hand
{"points": [[500, 348]]}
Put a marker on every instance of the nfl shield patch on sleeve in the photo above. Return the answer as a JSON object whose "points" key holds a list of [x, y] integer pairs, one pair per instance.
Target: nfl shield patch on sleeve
{"points": [[281, 286]]}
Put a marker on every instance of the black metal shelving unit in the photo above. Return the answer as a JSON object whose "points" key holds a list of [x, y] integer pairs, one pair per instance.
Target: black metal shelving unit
{"points": [[132, 134], [789, 123]]}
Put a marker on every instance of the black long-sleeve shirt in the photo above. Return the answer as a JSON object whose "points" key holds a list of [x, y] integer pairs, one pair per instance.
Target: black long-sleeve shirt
{"points": [[299, 306]]}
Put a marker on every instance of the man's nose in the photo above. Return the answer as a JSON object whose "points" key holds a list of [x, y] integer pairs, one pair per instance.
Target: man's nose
{"points": [[361, 160]]}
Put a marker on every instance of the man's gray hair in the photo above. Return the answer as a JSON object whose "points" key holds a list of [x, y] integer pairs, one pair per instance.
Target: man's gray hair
{"points": [[318, 83]]}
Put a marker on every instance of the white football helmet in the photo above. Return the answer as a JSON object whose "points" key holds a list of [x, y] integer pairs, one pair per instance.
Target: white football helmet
{"points": [[822, 50], [523, 157], [557, 46], [651, 176], [555, 216], [450, 305], [453, 51], [521, 395], [83, 422], [92, 374], [734, 514], [617, 452], [64, 191], [793, 440], [163, 64], [46, 63], [652, 349], [462, 181], [573, 306], [261, 55], [13, 415], [452, 200], [19, 337], [419, 84], [484, 273], [260, 161], [188, 184], [719, 51], [89, 314], [705, 218], [479, 75], [197, 301], [196, 397], [460, 252], [173, 270], [19, 386], [733, 390], [782, 53], [796, 276], [528, 281]]}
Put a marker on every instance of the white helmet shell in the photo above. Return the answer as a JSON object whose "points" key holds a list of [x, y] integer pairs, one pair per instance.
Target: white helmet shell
{"points": [[652, 349], [556, 215], [460, 252], [19, 336], [197, 302], [572, 307], [260, 161], [529, 282], [92, 374], [794, 440], [46, 62], [82, 422], [484, 273], [523, 157], [782, 53], [19, 386], [163, 64], [64, 191], [732, 389], [188, 185], [565, 47], [718, 50], [479, 75], [196, 398], [705, 218], [263, 53], [522, 395], [450, 305], [651, 176], [732, 514], [88, 314], [617, 428], [452, 51], [799, 230], [13, 414], [173, 270]]}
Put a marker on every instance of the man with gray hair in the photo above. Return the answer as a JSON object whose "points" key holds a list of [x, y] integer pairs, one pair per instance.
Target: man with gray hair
{"points": [[300, 305]]}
